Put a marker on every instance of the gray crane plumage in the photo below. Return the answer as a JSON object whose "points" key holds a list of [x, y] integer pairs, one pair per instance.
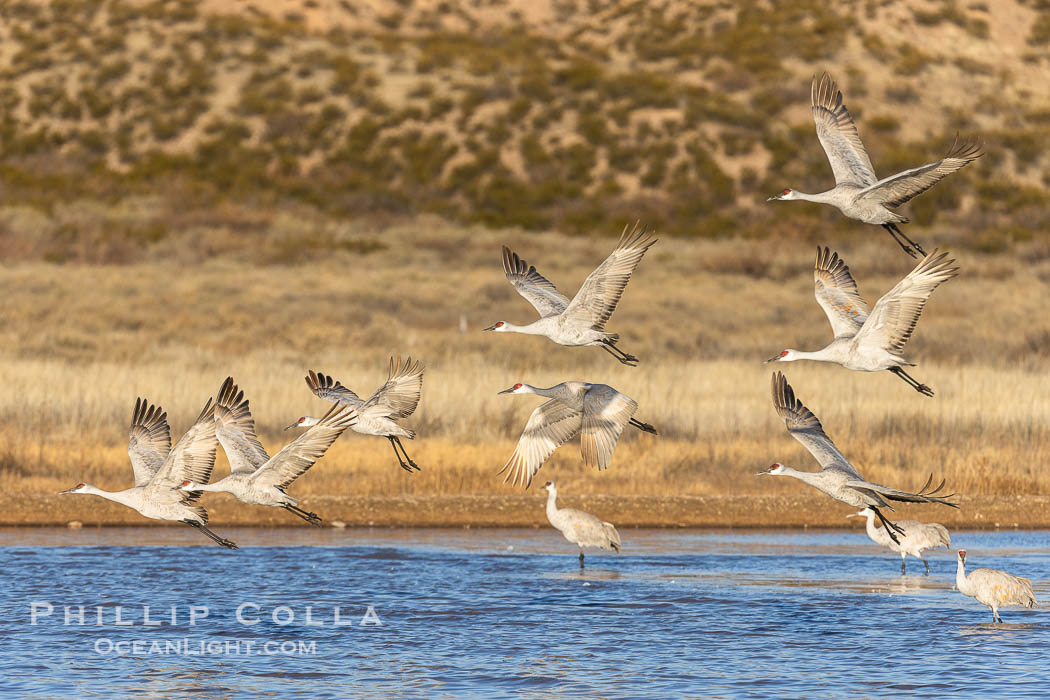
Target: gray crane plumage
{"points": [[149, 440], [915, 537], [581, 320], [159, 471], [871, 340], [837, 477], [578, 527], [378, 415], [996, 589], [596, 413], [255, 477], [858, 193]]}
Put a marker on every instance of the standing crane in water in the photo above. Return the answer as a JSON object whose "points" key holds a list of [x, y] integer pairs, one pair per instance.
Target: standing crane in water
{"points": [[582, 529], [159, 471], [996, 589], [916, 538], [255, 477]]}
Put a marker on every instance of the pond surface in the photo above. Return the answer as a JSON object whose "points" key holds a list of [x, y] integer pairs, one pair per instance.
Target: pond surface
{"points": [[433, 613]]}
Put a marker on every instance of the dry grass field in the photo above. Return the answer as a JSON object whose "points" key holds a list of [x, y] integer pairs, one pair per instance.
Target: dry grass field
{"points": [[257, 188], [81, 342]]}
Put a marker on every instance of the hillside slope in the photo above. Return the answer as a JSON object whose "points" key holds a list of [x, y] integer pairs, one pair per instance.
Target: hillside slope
{"points": [[560, 114]]}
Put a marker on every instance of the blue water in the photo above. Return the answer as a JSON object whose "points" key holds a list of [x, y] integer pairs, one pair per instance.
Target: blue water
{"points": [[507, 613]]}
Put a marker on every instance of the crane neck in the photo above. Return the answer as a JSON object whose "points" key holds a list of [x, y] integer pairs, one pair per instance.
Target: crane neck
{"points": [[550, 392], [877, 534], [218, 487], [534, 328], [961, 582], [820, 197], [807, 477], [121, 497], [552, 507], [821, 355]]}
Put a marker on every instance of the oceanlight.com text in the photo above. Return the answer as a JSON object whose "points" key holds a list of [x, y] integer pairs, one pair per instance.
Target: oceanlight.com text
{"points": [[186, 646]]}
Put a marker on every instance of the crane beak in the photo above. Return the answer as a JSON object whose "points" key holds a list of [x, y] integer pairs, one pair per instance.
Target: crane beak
{"points": [[772, 359], [506, 391], [490, 328], [292, 425], [66, 491]]}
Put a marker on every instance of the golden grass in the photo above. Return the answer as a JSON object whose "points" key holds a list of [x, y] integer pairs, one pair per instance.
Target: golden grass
{"points": [[81, 342]]}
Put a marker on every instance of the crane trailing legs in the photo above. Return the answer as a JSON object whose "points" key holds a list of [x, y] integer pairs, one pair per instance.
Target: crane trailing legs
{"points": [[907, 245], [625, 358], [912, 381], [407, 464]]}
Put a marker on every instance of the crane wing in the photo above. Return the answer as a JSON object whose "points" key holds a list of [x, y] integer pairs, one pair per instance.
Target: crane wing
{"points": [[192, 458], [838, 134], [235, 429], [596, 300], [895, 190], [324, 387], [399, 396], [806, 428], [299, 455], [924, 495], [891, 322], [605, 415], [537, 289], [551, 425], [149, 440], [837, 294]]}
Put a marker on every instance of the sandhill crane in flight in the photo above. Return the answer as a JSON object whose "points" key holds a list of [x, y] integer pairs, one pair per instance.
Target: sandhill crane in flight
{"points": [[596, 412], [996, 589], [582, 529], [255, 477], [916, 538], [866, 339], [158, 471], [838, 478], [396, 399], [582, 320], [857, 192]]}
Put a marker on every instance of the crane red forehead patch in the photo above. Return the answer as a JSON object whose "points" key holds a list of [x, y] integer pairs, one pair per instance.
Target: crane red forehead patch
{"points": [[786, 192], [517, 386]]}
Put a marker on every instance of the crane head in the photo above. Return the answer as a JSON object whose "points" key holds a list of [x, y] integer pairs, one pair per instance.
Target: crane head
{"points": [[303, 422], [549, 486], [962, 555], [497, 326], [774, 469], [782, 356], [188, 486], [76, 489], [860, 513], [783, 194], [513, 390]]}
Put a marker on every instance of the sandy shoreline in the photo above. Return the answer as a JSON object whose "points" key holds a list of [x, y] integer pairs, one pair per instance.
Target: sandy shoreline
{"points": [[980, 512]]}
